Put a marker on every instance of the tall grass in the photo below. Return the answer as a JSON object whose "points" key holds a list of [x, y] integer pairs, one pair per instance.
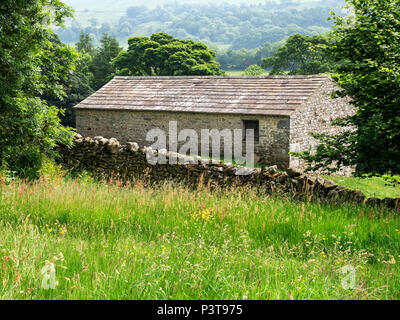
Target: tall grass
{"points": [[112, 242]]}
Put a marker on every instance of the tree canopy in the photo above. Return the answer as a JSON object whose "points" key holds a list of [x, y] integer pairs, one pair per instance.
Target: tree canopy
{"points": [[101, 65], [31, 65], [243, 58], [76, 86], [254, 70], [367, 52], [164, 55], [85, 43], [300, 55]]}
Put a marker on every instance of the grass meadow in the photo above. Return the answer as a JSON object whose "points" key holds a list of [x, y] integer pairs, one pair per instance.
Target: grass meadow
{"points": [[106, 241], [373, 187]]}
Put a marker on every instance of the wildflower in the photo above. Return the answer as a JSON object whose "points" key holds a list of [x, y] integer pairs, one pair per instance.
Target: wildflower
{"points": [[205, 215], [63, 231]]}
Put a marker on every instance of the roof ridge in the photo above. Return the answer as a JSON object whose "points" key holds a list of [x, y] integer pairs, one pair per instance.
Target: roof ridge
{"points": [[324, 76]]}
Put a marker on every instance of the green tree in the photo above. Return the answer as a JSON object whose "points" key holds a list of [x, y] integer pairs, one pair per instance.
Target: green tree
{"points": [[164, 55], [77, 84], [367, 50], [243, 58], [300, 55], [254, 70], [29, 128], [101, 66], [77, 87], [85, 44]]}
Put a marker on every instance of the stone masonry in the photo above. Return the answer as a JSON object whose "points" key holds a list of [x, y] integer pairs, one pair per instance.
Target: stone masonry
{"points": [[287, 108], [316, 115], [108, 159], [125, 126]]}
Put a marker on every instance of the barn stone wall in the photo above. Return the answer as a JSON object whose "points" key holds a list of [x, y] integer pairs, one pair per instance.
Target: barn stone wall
{"points": [[279, 135], [125, 126], [316, 115]]}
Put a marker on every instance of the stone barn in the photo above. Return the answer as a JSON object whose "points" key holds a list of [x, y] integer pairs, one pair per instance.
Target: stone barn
{"points": [[282, 110]]}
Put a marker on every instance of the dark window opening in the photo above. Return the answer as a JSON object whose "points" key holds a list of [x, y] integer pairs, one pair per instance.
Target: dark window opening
{"points": [[252, 125]]}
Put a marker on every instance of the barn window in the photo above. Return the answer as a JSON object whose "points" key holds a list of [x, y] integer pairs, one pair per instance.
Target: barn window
{"points": [[252, 125]]}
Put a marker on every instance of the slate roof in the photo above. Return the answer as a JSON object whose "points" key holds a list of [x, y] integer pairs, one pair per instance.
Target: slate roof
{"points": [[264, 95]]}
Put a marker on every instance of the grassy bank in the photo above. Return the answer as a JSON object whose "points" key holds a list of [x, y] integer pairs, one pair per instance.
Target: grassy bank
{"points": [[374, 187], [112, 242]]}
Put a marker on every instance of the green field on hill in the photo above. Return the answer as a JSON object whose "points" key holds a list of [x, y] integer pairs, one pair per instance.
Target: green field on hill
{"points": [[235, 73]]}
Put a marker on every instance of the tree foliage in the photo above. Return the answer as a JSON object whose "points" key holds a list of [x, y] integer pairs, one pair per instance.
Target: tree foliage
{"points": [[29, 67], [164, 55], [254, 70], [93, 69], [85, 44], [243, 58], [367, 50], [77, 84], [300, 55], [101, 65]]}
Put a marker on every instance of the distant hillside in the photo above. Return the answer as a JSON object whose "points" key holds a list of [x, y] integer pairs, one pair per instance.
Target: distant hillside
{"points": [[234, 25], [122, 5]]}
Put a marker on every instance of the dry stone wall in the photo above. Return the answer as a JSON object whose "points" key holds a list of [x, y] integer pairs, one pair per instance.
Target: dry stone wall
{"points": [[107, 158]]}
